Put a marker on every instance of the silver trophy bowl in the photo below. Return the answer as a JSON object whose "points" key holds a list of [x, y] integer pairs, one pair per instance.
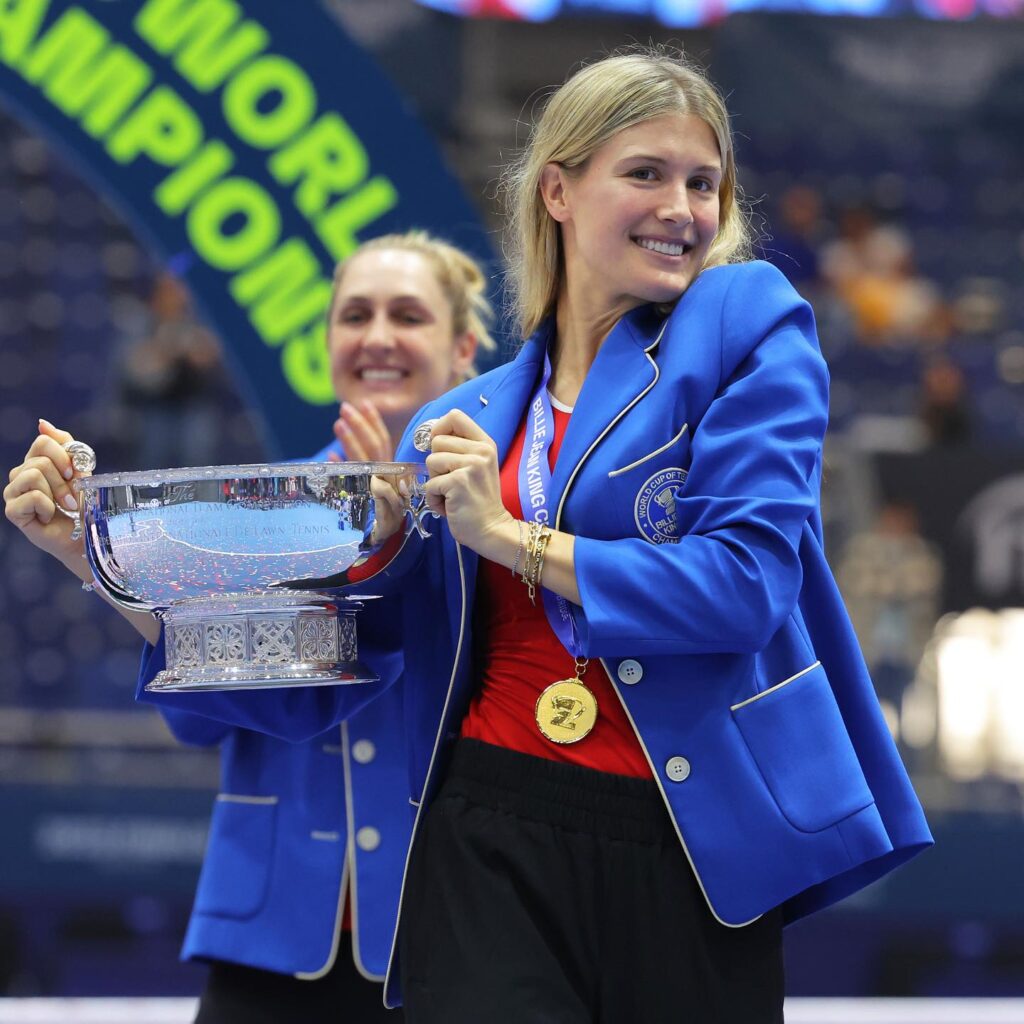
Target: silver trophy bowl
{"points": [[251, 568]]}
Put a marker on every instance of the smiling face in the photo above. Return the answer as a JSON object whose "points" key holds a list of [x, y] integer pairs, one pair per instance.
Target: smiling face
{"points": [[391, 337], [637, 219]]}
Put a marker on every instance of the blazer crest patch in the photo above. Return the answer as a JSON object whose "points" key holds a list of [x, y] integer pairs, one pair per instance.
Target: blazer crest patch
{"points": [[655, 507]]}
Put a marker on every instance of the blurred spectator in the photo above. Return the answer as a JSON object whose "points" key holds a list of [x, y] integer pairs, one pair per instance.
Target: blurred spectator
{"points": [[793, 248], [891, 580], [172, 382], [944, 408], [871, 268]]}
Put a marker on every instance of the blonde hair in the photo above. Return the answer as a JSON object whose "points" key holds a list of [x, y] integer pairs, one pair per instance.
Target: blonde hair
{"points": [[458, 274], [597, 102]]}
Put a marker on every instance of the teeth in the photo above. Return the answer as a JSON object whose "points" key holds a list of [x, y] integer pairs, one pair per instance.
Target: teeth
{"points": [[381, 374], [666, 248]]}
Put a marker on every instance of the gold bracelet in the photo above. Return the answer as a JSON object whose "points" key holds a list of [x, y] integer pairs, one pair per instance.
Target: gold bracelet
{"points": [[531, 544], [532, 530], [540, 534], [542, 547], [519, 550]]}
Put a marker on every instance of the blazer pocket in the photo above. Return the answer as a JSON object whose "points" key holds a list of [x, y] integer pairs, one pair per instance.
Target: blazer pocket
{"points": [[796, 736], [650, 456], [236, 869]]}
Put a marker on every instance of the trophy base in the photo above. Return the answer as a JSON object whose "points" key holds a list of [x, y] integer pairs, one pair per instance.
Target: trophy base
{"points": [[258, 641], [185, 681]]}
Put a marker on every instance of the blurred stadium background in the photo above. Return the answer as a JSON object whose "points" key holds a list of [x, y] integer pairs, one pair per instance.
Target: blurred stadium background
{"points": [[884, 160]]}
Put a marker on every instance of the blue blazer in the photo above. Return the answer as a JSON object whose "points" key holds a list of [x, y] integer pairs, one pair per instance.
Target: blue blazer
{"points": [[690, 475], [292, 823]]}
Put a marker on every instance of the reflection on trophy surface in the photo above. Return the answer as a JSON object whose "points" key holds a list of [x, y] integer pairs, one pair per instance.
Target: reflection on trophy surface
{"points": [[246, 564]]}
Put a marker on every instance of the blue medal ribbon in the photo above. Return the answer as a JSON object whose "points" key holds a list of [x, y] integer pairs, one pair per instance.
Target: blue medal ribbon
{"points": [[535, 493]]}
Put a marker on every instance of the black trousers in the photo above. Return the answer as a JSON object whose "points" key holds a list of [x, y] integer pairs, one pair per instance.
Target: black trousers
{"points": [[543, 893], [245, 995]]}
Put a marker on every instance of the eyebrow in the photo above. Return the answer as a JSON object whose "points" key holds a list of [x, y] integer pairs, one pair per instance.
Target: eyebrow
{"points": [[390, 301], [704, 168]]}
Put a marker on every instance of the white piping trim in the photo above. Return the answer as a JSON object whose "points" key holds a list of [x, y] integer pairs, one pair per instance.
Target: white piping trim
{"points": [[235, 798], [338, 917], [484, 400], [600, 437], [352, 860], [327, 837], [430, 768], [664, 448], [772, 689], [668, 807], [654, 771]]}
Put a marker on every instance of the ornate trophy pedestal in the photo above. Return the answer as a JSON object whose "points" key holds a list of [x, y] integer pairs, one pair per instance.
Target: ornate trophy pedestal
{"points": [[250, 641]]}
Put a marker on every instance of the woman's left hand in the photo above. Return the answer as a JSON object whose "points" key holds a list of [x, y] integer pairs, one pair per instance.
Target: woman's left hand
{"points": [[363, 434], [464, 486]]}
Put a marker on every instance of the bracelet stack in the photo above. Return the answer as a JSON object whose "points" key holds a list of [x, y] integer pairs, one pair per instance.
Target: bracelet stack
{"points": [[537, 539]]}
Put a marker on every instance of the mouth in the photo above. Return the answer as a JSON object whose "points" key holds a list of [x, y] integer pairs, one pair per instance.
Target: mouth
{"points": [[663, 247], [381, 374]]}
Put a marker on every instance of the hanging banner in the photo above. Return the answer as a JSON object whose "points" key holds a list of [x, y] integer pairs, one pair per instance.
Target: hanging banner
{"points": [[252, 145]]}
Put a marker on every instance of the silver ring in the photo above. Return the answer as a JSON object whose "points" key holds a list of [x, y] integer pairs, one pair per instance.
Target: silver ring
{"points": [[423, 435], [83, 458]]}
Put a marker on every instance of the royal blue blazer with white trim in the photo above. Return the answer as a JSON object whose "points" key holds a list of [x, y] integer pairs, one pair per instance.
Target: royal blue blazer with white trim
{"points": [[292, 824], [742, 660]]}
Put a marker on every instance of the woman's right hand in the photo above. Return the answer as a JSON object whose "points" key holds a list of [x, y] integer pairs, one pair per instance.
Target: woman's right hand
{"points": [[36, 486]]}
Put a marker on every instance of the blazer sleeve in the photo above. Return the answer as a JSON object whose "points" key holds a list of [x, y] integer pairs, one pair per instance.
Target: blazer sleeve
{"points": [[192, 729], [735, 574]]}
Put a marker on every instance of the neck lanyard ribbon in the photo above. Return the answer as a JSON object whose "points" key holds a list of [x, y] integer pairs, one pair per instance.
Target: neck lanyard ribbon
{"points": [[535, 494]]}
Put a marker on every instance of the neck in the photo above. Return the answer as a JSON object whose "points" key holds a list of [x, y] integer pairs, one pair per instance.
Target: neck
{"points": [[582, 326]]}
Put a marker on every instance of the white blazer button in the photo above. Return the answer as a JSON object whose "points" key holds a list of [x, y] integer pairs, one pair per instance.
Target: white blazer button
{"points": [[368, 838], [630, 672], [364, 751], [677, 769]]}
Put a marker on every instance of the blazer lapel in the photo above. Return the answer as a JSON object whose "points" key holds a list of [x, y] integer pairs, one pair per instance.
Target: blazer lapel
{"points": [[623, 372], [500, 413], [502, 406]]}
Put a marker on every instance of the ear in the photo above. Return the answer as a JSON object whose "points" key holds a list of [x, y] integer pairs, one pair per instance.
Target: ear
{"points": [[553, 180], [463, 354]]}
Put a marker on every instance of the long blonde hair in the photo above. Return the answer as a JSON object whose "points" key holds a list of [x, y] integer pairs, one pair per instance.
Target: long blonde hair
{"points": [[596, 103], [458, 274]]}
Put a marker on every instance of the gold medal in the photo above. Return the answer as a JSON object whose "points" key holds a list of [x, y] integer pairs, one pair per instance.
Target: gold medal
{"points": [[566, 711]]}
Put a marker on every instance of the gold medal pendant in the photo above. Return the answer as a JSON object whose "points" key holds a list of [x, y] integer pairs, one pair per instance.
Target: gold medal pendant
{"points": [[566, 711]]}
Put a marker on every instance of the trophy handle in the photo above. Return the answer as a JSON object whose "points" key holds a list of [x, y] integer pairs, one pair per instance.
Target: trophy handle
{"points": [[416, 506], [83, 458]]}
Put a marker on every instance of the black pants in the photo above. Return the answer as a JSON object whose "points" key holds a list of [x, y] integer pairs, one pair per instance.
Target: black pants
{"points": [[245, 995], [543, 893]]}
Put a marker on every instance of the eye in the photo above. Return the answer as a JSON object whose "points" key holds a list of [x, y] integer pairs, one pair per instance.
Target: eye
{"points": [[702, 184], [643, 174], [352, 316], [409, 317]]}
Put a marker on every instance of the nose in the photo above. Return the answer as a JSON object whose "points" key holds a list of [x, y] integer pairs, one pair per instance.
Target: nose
{"points": [[378, 333], [675, 207]]}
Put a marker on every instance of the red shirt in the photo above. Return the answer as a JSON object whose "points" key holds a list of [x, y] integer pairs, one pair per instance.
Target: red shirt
{"points": [[518, 655]]}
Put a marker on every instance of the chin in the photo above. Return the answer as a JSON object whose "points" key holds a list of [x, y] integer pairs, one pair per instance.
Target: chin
{"points": [[664, 292]]}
